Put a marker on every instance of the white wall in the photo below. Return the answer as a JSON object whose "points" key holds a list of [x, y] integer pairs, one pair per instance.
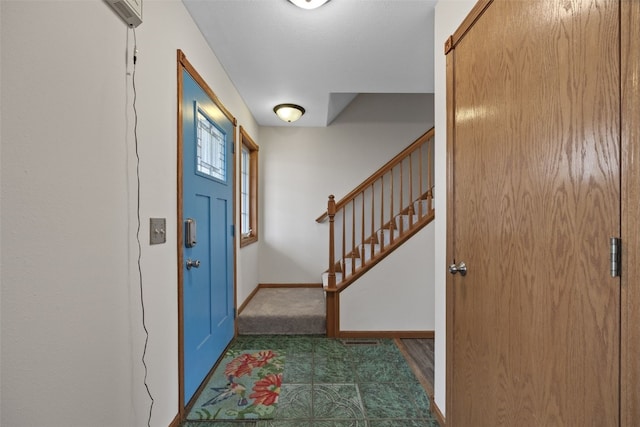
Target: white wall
{"points": [[72, 338], [449, 15], [302, 166], [397, 293], [1, 97]]}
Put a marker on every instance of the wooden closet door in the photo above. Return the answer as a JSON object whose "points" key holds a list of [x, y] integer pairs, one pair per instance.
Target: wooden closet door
{"points": [[534, 180], [630, 348]]}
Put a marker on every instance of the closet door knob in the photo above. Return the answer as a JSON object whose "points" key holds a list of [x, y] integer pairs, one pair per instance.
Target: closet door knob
{"points": [[460, 268]]}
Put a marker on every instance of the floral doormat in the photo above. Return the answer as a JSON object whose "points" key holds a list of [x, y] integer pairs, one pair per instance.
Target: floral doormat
{"points": [[245, 385]]}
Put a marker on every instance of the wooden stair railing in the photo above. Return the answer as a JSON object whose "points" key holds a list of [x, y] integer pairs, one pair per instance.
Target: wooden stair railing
{"points": [[380, 214]]}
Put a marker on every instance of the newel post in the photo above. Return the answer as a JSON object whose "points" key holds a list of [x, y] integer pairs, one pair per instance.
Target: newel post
{"points": [[331, 212], [332, 294]]}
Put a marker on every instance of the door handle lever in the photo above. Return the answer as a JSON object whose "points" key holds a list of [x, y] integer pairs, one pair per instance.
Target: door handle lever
{"points": [[460, 268], [192, 263]]}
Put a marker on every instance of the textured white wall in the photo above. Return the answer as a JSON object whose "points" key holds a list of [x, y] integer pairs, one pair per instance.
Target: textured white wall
{"points": [[1, 259], [71, 331], [449, 15], [302, 166], [397, 293]]}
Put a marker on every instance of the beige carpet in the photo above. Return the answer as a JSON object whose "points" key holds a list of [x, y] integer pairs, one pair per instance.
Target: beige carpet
{"points": [[279, 311]]}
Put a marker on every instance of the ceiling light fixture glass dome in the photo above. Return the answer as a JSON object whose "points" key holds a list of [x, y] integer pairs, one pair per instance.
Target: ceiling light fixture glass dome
{"points": [[308, 4], [288, 112]]}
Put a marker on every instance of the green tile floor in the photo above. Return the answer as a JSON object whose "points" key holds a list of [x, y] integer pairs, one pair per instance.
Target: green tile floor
{"points": [[339, 383]]}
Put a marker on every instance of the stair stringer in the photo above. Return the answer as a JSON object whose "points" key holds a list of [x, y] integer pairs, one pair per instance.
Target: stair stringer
{"points": [[397, 294], [378, 257]]}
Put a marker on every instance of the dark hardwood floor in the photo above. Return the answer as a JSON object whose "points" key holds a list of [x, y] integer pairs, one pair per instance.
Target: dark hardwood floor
{"points": [[420, 353]]}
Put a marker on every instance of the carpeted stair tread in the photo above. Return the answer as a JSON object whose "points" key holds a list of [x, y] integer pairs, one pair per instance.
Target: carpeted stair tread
{"points": [[299, 311]]}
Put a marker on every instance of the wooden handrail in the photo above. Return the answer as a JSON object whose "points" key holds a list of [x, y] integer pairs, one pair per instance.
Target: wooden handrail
{"points": [[380, 172], [376, 217], [393, 211]]}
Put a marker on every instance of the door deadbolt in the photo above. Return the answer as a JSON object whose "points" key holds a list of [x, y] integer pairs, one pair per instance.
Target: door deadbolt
{"points": [[190, 232]]}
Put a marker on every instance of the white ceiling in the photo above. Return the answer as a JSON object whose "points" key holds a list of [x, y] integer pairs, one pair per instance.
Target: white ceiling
{"points": [[275, 52]]}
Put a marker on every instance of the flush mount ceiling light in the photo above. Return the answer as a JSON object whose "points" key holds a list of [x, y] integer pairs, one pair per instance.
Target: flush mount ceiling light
{"points": [[308, 4], [288, 112]]}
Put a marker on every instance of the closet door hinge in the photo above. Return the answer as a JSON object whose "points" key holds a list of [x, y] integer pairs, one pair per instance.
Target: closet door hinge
{"points": [[615, 244]]}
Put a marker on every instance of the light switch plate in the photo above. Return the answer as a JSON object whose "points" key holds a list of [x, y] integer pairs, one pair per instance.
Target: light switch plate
{"points": [[157, 230]]}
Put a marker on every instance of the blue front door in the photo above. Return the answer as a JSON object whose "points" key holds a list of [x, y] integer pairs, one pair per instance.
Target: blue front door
{"points": [[208, 322]]}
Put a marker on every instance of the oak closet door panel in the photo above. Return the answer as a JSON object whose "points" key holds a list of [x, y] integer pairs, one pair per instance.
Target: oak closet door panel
{"points": [[630, 72], [535, 182]]}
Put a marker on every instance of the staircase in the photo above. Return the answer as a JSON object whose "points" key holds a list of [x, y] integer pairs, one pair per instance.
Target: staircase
{"points": [[365, 226], [377, 217]]}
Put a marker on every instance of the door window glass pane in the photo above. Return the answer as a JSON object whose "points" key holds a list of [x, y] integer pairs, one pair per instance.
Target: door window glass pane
{"points": [[211, 153]]}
